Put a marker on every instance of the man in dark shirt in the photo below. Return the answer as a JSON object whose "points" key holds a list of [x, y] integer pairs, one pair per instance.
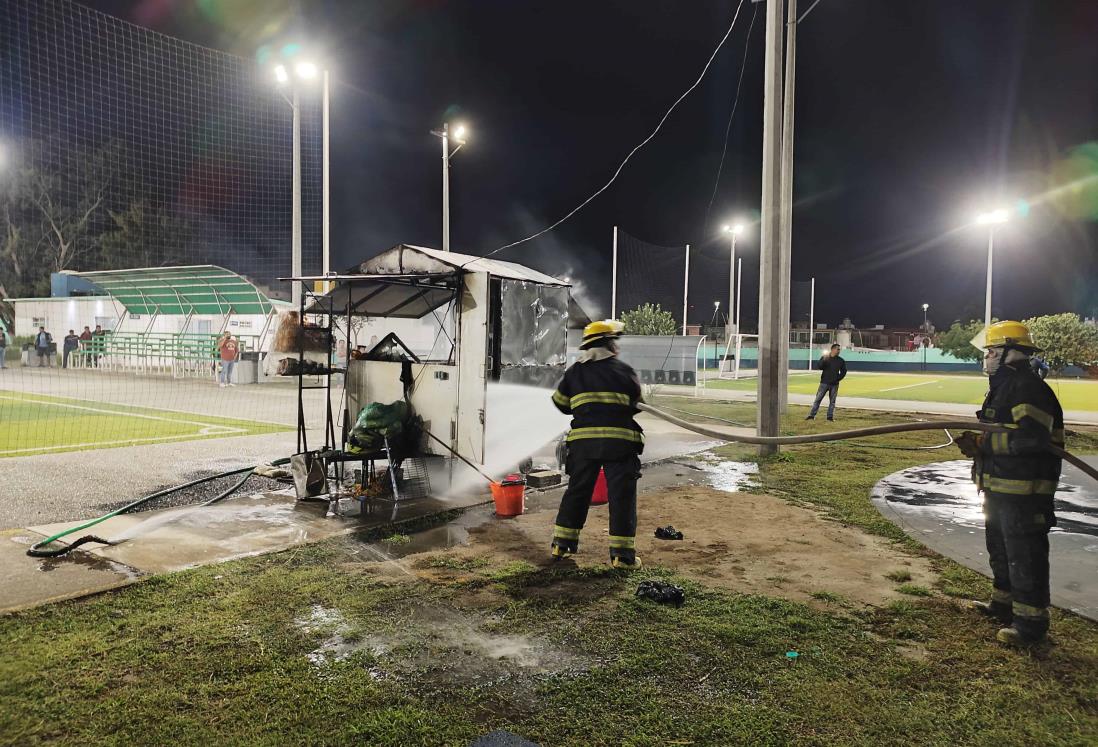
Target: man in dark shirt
{"points": [[72, 342], [833, 370]]}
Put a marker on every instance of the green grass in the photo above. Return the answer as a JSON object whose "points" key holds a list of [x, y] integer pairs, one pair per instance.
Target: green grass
{"points": [[205, 657], [41, 424], [1074, 394]]}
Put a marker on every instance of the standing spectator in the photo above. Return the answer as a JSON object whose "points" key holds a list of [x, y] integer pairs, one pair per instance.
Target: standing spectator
{"points": [[229, 349], [833, 370], [3, 346], [42, 342], [72, 342]]}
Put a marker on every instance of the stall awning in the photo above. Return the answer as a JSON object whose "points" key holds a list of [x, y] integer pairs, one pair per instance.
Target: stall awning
{"points": [[194, 289], [406, 259]]}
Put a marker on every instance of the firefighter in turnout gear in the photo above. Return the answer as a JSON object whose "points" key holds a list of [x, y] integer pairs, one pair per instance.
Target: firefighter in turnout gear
{"points": [[600, 392], [1018, 477]]}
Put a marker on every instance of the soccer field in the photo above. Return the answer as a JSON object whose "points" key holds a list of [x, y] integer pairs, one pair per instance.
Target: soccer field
{"points": [[33, 424], [1074, 394]]}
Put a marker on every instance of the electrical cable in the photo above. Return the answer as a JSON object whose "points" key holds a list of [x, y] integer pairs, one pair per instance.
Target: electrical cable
{"points": [[728, 127], [643, 143]]}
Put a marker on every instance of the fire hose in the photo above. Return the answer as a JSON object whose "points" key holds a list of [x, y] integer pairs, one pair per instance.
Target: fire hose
{"points": [[876, 430], [38, 550]]}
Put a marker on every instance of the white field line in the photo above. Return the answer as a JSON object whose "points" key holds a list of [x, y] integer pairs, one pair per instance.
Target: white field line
{"points": [[130, 441], [908, 386], [127, 414]]}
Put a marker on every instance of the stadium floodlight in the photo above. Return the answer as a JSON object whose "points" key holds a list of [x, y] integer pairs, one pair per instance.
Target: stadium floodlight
{"points": [[306, 70], [458, 136], [1001, 215]]}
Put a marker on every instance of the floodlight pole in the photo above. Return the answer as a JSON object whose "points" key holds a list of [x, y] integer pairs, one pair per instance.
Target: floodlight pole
{"points": [[295, 246], [326, 261], [811, 320], [990, 262], [685, 289], [614, 280], [770, 249], [732, 288], [739, 292], [445, 186]]}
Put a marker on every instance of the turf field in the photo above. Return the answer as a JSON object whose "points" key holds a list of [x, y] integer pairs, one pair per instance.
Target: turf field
{"points": [[33, 424], [1074, 394]]}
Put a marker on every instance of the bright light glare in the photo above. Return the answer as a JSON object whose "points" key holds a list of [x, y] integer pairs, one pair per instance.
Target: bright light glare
{"points": [[1001, 215], [926, 306], [280, 73], [306, 70], [735, 230], [459, 133]]}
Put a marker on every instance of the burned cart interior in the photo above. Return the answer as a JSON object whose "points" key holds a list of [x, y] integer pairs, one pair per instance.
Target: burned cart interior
{"points": [[441, 327]]}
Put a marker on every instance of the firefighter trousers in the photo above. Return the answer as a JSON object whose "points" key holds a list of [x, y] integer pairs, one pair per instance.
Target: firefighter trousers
{"points": [[621, 483], [1016, 532]]}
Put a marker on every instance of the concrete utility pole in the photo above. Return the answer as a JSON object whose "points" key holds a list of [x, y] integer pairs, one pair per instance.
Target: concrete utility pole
{"points": [[787, 191], [295, 224], [772, 336]]}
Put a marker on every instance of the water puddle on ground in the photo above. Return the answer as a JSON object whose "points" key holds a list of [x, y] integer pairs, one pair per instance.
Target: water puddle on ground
{"points": [[728, 475], [445, 645], [945, 491]]}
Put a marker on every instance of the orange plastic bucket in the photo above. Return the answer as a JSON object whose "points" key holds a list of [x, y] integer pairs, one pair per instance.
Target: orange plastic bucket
{"points": [[601, 493], [510, 499]]}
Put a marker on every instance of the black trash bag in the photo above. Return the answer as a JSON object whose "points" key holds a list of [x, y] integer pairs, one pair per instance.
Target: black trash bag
{"points": [[668, 533], [662, 592]]}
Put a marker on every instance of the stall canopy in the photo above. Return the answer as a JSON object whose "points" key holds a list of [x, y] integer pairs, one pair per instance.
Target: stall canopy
{"points": [[194, 289], [412, 281]]}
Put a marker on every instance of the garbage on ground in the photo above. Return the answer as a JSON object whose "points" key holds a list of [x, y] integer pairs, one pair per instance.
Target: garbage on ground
{"points": [[269, 470], [668, 533], [661, 592], [791, 655]]}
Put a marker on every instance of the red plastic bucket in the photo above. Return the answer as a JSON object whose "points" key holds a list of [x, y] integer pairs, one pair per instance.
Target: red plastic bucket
{"points": [[601, 494], [510, 499]]}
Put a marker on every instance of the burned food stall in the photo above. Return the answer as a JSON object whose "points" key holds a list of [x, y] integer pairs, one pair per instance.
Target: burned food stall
{"points": [[477, 320]]}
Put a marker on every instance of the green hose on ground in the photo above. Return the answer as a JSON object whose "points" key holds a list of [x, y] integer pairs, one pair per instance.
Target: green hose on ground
{"points": [[37, 550]]}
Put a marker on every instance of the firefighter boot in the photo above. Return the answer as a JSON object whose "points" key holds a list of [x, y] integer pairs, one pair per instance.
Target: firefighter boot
{"points": [[1013, 637], [625, 563]]}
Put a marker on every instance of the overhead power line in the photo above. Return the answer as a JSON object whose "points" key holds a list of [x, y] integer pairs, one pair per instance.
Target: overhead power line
{"points": [[633, 152]]}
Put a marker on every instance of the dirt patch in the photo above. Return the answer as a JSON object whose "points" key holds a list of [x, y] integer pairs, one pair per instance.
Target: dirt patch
{"points": [[747, 543]]}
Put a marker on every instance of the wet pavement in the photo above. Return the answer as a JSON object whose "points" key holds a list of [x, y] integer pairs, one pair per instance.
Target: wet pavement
{"points": [[938, 505]]}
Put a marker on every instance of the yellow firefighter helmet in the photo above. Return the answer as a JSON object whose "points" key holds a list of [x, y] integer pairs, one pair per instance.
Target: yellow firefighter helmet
{"points": [[1014, 334], [601, 330]]}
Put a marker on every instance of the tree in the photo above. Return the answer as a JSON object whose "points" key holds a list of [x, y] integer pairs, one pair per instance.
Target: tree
{"points": [[649, 319], [143, 235], [1065, 339], [956, 341]]}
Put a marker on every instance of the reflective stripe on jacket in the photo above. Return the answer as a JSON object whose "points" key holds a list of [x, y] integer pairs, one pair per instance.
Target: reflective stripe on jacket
{"points": [[601, 396], [1018, 462]]}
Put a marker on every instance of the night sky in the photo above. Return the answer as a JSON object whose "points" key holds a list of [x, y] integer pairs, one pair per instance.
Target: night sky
{"points": [[911, 117]]}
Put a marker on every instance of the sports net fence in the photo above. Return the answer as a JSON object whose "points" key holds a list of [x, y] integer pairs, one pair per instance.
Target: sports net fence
{"points": [[124, 148]]}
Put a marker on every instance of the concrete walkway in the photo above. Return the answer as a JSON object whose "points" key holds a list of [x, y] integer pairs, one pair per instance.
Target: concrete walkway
{"points": [[949, 409], [937, 505]]}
